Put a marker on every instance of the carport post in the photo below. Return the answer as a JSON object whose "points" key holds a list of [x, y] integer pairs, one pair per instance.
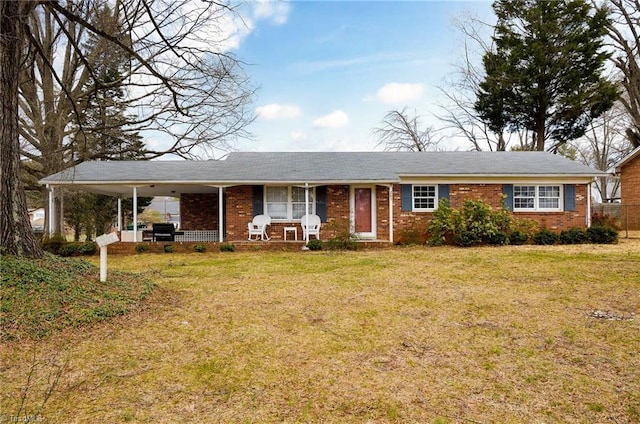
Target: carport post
{"points": [[120, 214], [220, 215], [51, 210], [135, 214]]}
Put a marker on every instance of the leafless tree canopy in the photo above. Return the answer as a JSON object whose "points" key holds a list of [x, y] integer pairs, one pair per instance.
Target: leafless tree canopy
{"points": [[179, 78], [624, 31], [400, 131]]}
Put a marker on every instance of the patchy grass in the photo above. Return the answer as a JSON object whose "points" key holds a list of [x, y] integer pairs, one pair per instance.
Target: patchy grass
{"points": [[50, 294], [434, 335]]}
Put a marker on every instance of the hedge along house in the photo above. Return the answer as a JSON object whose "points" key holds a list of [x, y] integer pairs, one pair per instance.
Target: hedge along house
{"points": [[379, 194]]}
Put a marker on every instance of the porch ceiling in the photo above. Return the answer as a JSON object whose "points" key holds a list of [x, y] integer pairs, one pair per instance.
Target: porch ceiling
{"points": [[143, 190]]}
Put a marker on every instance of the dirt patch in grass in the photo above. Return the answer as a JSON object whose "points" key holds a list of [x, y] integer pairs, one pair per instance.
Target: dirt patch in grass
{"points": [[401, 335]]}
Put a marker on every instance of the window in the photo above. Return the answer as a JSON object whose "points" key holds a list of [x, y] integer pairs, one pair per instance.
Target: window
{"points": [[424, 198], [287, 203], [537, 198]]}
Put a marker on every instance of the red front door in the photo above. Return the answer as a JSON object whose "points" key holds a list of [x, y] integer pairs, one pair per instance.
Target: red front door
{"points": [[363, 210]]}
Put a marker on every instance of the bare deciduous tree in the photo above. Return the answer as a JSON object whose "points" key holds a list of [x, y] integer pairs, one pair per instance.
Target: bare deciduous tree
{"points": [[179, 84], [399, 132], [624, 30]]}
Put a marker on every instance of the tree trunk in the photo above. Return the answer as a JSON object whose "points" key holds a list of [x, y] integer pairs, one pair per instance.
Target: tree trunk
{"points": [[17, 236]]}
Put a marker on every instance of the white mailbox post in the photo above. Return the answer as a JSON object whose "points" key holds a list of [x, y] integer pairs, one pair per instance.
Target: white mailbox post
{"points": [[103, 241]]}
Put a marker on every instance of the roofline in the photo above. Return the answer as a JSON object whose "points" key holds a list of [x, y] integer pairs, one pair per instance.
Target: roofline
{"points": [[635, 152]]}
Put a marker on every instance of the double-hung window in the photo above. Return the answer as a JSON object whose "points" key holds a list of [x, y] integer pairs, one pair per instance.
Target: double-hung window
{"points": [[287, 203], [537, 198], [425, 198]]}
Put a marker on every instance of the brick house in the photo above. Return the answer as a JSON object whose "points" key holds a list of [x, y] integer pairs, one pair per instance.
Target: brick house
{"points": [[377, 195], [628, 170]]}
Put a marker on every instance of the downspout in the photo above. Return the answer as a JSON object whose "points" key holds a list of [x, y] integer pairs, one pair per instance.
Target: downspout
{"points": [[220, 215], [391, 213], [588, 205]]}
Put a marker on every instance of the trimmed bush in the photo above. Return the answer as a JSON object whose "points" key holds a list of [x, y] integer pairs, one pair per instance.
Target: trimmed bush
{"points": [[518, 238], [54, 243], [545, 237], [169, 248], [602, 234], [227, 247], [315, 244], [88, 248], [200, 248], [69, 249], [573, 236], [499, 238], [142, 247]]}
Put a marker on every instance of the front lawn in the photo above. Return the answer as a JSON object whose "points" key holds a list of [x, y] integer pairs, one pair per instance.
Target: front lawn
{"points": [[429, 335]]}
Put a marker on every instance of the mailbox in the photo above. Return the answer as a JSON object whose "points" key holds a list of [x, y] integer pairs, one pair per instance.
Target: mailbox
{"points": [[107, 239], [103, 241]]}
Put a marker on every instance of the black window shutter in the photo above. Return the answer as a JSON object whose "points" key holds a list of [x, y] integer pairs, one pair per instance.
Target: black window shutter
{"points": [[258, 200], [406, 193], [321, 203], [507, 190], [570, 197]]}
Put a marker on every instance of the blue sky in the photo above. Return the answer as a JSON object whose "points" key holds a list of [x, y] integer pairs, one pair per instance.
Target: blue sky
{"points": [[329, 71]]}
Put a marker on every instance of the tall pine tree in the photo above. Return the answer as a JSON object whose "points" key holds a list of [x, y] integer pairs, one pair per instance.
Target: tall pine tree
{"points": [[545, 74]]}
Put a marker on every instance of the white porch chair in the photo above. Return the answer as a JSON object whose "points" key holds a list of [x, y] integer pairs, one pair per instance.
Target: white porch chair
{"points": [[258, 227], [310, 226]]}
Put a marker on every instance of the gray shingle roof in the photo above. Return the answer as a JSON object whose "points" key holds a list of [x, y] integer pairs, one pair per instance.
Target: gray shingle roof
{"points": [[327, 167]]}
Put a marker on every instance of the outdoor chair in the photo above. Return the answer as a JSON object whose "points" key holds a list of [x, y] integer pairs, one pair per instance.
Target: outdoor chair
{"points": [[310, 226], [258, 227]]}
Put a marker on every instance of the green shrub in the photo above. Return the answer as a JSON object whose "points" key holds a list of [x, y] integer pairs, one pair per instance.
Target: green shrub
{"points": [[499, 238], [169, 248], [573, 236], [315, 244], [227, 247], [602, 234], [545, 237], [200, 248], [476, 222], [518, 237], [54, 243], [69, 249], [142, 247], [88, 248]]}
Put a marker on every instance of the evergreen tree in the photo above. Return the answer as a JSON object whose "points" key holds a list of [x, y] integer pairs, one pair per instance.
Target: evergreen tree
{"points": [[545, 74]]}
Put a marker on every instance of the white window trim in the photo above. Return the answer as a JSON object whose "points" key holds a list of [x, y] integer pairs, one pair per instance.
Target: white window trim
{"points": [[536, 200], [413, 198], [289, 218]]}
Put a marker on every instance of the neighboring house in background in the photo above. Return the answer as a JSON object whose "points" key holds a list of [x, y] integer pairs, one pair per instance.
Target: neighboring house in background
{"points": [[36, 217], [379, 194], [628, 170], [168, 207]]}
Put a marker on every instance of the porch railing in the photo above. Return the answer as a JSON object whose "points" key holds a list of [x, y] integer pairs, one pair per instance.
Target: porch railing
{"points": [[198, 235]]}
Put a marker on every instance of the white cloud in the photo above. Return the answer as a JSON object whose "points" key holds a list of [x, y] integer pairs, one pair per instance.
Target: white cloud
{"points": [[278, 111], [395, 92], [336, 119], [275, 11]]}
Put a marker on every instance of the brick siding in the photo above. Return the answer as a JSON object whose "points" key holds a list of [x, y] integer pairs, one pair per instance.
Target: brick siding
{"points": [[199, 211], [630, 182]]}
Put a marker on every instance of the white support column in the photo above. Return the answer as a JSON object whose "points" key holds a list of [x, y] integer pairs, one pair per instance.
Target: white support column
{"points": [[588, 205], [306, 211], [220, 215], [61, 194], [391, 213], [52, 213], [135, 214], [120, 214]]}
